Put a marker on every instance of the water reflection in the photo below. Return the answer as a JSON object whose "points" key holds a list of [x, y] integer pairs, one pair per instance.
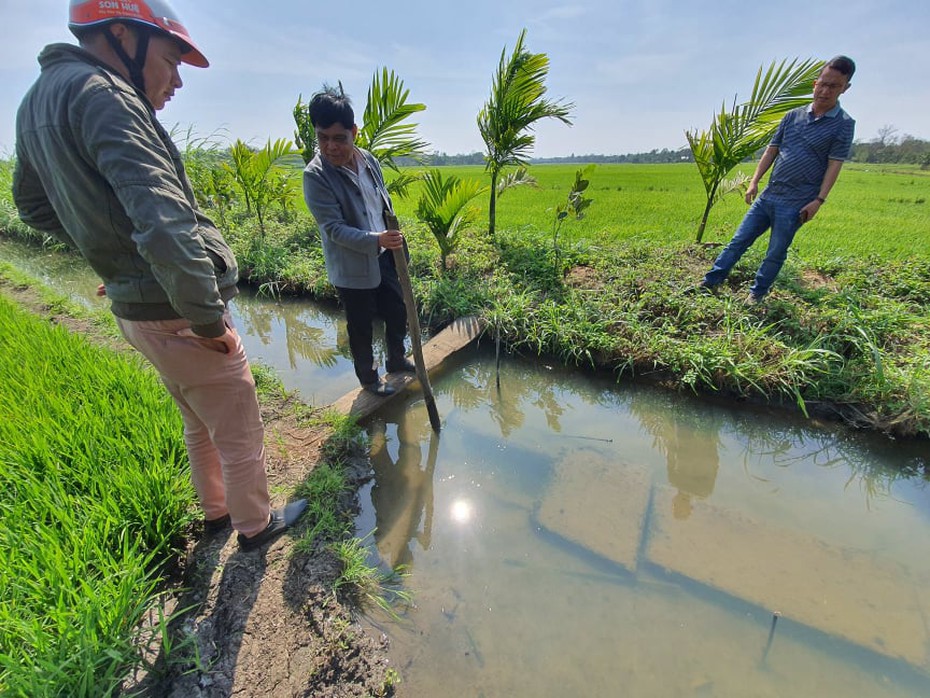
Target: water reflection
{"points": [[402, 494], [690, 441], [491, 604], [868, 463], [304, 339], [537, 388], [67, 274], [462, 511]]}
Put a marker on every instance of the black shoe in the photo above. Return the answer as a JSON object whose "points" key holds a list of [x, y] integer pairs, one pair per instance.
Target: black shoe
{"points": [[754, 299], [702, 287], [279, 521], [379, 388], [403, 366], [217, 525]]}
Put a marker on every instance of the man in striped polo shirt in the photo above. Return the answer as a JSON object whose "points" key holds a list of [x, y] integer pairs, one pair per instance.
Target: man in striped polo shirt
{"points": [[808, 150]]}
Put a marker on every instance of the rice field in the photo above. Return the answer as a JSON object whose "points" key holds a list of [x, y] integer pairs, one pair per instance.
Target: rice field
{"points": [[94, 491], [873, 210]]}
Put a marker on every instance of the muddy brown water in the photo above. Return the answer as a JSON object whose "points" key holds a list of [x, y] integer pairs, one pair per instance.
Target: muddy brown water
{"points": [[565, 535]]}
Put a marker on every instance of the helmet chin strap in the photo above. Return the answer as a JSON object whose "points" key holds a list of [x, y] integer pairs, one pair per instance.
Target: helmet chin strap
{"points": [[134, 65]]}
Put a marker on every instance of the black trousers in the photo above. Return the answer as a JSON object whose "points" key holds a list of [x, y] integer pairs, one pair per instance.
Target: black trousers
{"points": [[362, 305]]}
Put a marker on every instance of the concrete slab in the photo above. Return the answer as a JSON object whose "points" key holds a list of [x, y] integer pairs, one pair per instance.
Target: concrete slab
{"points": [[456, 336], [599, 504], [851, 594]]}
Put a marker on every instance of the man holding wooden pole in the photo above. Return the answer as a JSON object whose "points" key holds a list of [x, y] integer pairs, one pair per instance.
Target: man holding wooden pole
{"points": [[345, 191]]}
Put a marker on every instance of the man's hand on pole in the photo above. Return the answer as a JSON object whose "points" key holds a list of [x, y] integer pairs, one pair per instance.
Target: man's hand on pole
{"points": [[391, 239]]}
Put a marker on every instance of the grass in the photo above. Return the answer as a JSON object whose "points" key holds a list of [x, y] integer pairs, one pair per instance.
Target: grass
{"points": [[845, 329], [93, 497], [363, 582], [329, 524]]}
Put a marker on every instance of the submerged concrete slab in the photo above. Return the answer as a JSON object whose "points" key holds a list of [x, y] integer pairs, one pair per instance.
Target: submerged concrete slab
{"points": [[459, 334], [599, 504], [867, 601]]}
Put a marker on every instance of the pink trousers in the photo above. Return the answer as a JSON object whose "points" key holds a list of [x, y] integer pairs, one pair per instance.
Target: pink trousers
{"points": [[223, 427]]}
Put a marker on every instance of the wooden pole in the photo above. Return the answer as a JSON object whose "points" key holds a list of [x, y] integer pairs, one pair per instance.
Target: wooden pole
{"points": [[413, 321]]}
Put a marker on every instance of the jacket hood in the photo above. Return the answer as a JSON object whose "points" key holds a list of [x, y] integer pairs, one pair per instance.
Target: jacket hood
{"points": [[60, 53]]}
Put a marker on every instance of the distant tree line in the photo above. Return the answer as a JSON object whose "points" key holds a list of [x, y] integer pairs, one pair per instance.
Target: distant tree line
{"points": [[654, 156], [888, 147]]}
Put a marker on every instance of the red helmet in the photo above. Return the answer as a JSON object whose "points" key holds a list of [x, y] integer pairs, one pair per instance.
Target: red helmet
{"points": [[157, 14]]}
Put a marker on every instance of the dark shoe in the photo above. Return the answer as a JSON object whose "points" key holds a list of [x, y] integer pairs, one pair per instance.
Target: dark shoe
{"points": [[753, 299], [403, 366], [280, 520], [217, 525], [379, 388], [702, 287]]}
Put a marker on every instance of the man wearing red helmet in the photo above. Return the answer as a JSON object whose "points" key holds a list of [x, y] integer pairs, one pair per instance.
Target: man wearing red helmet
{"points": [[96, 170]]}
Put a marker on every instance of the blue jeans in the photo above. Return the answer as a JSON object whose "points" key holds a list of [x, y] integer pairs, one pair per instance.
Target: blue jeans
{"points": [[784, 221]]}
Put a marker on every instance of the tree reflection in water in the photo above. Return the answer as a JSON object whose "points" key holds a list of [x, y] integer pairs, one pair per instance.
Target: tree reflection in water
{"points": [[687, 432], [303, 339], [789, 443], [523, 385]]}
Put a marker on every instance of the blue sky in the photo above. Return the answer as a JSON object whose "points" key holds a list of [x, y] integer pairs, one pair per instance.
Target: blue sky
{"points": [[640, 72]]}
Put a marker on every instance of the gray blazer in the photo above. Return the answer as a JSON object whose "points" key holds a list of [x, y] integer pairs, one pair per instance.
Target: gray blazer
{"points": [[350, 245]]}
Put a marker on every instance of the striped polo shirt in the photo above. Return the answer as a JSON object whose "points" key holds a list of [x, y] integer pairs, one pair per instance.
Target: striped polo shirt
{"points": [[805, 144]]}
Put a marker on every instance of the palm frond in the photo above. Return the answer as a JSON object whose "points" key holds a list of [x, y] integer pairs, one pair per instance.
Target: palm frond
{"points": [[400, 185], [445, 206], [783, 87], [384, 131], [516, 178], [736, 183], [736, 134], [516, 104]]}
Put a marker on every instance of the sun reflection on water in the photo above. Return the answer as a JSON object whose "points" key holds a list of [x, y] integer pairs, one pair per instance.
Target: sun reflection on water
{"points": [[462, 511]]}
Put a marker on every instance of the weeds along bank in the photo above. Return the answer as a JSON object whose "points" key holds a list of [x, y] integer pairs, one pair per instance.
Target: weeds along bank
{"points": [[845, 331]]}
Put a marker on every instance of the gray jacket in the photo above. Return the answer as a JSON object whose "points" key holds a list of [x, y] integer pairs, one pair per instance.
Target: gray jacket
{"points": [[350, 245], [96, 170]]}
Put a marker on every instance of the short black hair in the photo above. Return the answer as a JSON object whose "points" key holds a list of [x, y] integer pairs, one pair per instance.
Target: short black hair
{"points": [[842, 64], [329, 106]]}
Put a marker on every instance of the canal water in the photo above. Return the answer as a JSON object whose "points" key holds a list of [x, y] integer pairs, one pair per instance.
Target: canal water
{"points": [[566, 535]]}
